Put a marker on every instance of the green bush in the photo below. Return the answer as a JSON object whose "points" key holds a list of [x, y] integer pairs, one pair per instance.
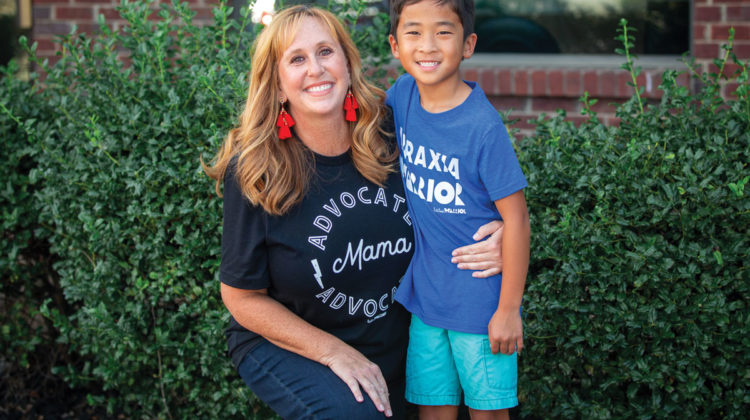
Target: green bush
{"points": [[27, 348], [112, 137], [638, 289], [133, 224], [636, 304]]}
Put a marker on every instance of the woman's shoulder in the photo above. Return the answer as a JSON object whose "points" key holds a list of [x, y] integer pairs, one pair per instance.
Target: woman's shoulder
{"points": [[230, 172]]}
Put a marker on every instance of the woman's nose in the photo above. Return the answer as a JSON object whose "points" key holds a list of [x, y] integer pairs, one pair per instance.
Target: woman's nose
{"points": [[315, 67]]}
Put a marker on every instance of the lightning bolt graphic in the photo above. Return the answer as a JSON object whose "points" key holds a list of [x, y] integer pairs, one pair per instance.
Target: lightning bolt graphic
{"points": [[318, 275]]}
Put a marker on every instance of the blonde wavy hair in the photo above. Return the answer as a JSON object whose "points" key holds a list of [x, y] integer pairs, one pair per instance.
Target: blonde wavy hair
{"points": [[273, 173]]}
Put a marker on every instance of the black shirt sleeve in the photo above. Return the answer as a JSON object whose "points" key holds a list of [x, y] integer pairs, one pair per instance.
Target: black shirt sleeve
{"points": [[244, 257]]}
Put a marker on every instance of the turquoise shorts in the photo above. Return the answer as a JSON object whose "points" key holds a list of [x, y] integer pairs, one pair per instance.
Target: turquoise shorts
{"points": [[440, 363]]}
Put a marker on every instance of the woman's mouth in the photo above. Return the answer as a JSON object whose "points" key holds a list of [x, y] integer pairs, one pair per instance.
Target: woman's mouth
{"points": [[319, 88]]}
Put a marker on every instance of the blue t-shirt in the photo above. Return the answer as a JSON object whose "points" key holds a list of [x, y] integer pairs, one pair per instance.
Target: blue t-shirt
{"points": [[454, 165]]}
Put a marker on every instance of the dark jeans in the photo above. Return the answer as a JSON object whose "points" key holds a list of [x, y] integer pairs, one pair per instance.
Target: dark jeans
{"points": [[299, 388]]}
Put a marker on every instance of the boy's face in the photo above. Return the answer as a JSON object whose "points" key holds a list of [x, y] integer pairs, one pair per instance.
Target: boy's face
{"points": [[430, 43]]}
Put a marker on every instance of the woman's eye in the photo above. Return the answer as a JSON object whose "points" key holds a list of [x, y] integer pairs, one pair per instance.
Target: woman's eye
{"points": [[326, 51], [296, 59]]}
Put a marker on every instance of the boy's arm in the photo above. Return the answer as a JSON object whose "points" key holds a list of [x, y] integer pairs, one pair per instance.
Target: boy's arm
{"points": [[505, 329]]}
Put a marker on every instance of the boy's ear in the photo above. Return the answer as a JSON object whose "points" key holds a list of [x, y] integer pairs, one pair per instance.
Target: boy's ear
{"points": [[469, 44], [394, 46]]}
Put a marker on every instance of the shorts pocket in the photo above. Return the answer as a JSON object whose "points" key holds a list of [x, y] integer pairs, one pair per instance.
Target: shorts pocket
{"points": [[501, 369]]}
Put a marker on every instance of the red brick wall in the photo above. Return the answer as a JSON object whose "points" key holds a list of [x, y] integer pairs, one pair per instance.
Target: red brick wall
{"points": [[529, 91], [711, 22], [57, 17]]}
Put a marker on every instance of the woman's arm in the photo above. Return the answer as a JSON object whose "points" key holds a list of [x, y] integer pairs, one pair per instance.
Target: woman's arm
{"points": [[484, 256], [258, 312]]}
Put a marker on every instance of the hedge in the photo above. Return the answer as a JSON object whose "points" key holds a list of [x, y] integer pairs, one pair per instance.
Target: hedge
{"points": [[27, 278], [638, 285], [132, 226], [636, 299]]}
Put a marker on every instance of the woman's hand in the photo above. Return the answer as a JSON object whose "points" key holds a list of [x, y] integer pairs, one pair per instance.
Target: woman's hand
{"points": [[258, 312], [485, 256], [357, 371]]}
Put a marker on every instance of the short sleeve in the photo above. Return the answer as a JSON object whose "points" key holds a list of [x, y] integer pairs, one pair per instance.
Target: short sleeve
{"points": [[499, 169], [244, 256]]}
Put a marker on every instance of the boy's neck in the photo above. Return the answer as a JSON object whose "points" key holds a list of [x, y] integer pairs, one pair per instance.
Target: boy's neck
{"points": [[444, 96]]}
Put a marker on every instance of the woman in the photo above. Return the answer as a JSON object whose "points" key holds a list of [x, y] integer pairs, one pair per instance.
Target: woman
{"points": [[316, 231]]}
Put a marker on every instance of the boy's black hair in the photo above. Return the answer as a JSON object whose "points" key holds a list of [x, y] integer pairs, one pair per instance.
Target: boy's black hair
{"points": [[463, 8]]}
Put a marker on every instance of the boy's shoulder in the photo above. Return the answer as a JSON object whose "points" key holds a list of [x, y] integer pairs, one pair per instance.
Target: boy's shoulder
{"points": [[478, 108], [477, 111], [404, 82], [400, 91], [406, 78]]}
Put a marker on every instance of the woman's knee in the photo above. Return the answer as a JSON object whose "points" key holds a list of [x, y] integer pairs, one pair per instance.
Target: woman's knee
{"points": [[320, 401], [346, 407], [298, 388]]}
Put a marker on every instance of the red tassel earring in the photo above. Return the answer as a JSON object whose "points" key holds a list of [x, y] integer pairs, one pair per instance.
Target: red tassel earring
{"points": [[350, 104], [284, 122]]}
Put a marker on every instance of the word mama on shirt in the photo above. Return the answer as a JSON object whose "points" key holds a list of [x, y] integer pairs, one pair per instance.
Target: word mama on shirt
{"points": [[370, 253], [429, 189], [357, 253]]}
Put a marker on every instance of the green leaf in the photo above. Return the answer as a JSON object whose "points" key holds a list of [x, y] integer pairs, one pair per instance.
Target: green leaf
{"points": [[718, 257]]}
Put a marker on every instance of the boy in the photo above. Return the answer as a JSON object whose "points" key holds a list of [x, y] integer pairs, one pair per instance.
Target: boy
{"points": [[459, 170]]}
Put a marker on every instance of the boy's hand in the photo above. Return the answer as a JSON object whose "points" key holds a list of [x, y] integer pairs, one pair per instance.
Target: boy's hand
{"points": [[505, 332]]}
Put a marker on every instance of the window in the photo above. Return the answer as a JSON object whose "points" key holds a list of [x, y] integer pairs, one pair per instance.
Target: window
{"points": [[581, 26], [15, 19], [565, 26]]}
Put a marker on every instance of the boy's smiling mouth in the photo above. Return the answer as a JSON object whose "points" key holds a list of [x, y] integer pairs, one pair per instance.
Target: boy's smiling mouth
{"points": [[428, 64]]}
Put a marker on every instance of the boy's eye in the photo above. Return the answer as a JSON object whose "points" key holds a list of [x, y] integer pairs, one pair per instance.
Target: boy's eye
{"points": [[445, 33], [412, 33]]}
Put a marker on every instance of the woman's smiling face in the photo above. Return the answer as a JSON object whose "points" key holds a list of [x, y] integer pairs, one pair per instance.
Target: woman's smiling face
{"points": [[314, 73]]}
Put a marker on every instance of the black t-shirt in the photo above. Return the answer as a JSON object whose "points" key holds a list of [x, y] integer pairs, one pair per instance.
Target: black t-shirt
{"points": [[335, 259]]}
